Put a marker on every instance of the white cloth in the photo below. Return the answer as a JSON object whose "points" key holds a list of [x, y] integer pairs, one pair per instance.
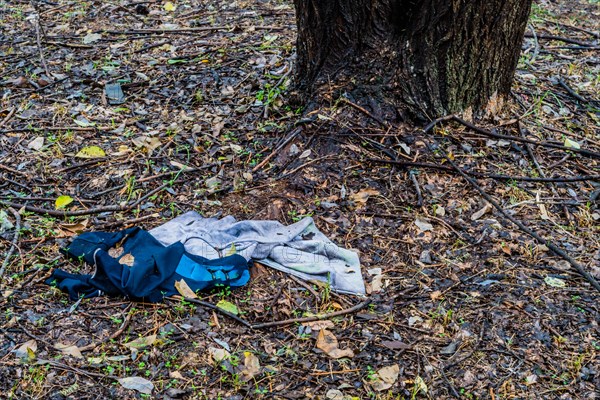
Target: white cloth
{"points": [[299, 249]]}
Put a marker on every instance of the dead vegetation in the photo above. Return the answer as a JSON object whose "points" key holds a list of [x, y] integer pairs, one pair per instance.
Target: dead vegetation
{"points": [[463, 303]]}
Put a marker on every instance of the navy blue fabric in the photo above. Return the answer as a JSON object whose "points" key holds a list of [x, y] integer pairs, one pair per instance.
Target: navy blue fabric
{"points": [[154, 271]]}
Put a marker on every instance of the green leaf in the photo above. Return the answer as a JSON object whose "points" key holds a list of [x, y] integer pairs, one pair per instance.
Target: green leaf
{"points": [[572, 144], [169, 6], [91, 152], [176, 61], [84, 123], [554, 282], [63, 201], [227, 306]]}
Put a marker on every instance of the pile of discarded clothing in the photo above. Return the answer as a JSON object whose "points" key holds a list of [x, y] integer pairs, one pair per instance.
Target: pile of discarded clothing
{"points": [[205, 253]]}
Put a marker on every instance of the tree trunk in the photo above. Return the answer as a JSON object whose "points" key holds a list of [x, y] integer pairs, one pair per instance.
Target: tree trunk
{"points": [[417, 58]]}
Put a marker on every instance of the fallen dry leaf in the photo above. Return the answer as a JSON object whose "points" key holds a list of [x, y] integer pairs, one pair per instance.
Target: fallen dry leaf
{"points": [[184, 289], [218, 354], [386, 377], [484, 210], [319, 325], [27, 350], [328, 343], [360, 198], [250, 368], [423, 225], [137, 383], [127, 259], [69, 349], [115, 252], [141, 343]]}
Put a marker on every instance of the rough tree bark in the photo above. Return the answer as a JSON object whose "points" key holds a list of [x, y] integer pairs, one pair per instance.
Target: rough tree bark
{"points": [[416, 58]]}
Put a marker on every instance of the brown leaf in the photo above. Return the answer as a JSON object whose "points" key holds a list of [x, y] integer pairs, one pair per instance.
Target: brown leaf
{"points": [[75, 228], [386, 377], [69, 349], [328, 343], [251, 366], [435, 295], [360, 198], [396, 345], [141, 343], [115, 252], [127, 259], [319, 325]]}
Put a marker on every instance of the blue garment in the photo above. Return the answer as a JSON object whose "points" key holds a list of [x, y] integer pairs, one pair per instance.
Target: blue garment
{"points": [[145, 270]]}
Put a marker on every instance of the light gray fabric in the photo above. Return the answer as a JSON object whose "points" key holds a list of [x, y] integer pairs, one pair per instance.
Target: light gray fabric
{"points": [[299, 249]]}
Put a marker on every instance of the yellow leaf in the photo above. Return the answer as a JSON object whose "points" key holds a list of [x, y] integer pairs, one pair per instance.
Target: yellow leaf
{"points": [[231, 251], [169, 6], [63, 201], [420, 385], [227, 306], [184, 289], [91, 152]]}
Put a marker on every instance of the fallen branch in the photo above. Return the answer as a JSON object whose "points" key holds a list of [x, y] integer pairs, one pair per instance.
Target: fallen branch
{"points": [[37, 26], [485, 132], [574, 94], [560, 39], [555, 249], [440, 167], [13, 244], [318, 317], [89, 211]]}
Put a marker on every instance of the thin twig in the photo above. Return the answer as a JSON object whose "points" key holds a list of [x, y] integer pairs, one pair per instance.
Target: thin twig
{"points": [[365, 111], [13, 244], [10, 114], [318, 317], [415, 182], [291, 137], [36, 23], [560, 39], [115, 335], [12, 170], [212, 307], [485, 132]]}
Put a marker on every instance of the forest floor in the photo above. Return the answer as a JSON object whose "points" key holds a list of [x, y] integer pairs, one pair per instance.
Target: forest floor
{"points": [[463, 303]]}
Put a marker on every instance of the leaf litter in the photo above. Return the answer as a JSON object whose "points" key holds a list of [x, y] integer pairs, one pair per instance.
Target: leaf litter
{"points": [[462, 302]]}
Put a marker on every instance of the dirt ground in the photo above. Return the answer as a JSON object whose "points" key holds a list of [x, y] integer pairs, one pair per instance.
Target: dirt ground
{"points": [[461, 302]]}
